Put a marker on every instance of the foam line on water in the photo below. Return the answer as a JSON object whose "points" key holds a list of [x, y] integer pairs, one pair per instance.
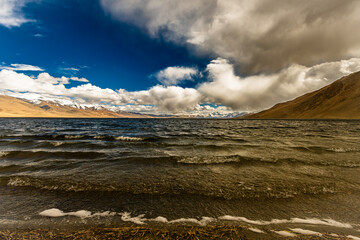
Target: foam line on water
{"points": [[305, 232], [54, 212], [129, 139], [140, 219], [313, 221], [3, 154], [353, 237], [126, 217], [256, 230], [285, 233]]}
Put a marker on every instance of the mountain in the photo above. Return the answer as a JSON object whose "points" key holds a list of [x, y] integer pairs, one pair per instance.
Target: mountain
{"points": [[339, 100], [14, 107]]}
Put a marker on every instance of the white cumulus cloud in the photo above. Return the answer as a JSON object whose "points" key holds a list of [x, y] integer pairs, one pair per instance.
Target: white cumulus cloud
{"points": [[175, 75], [11, 14], [171, 98], [79, 79], [224, 92], [264, 90], [22, 67]]}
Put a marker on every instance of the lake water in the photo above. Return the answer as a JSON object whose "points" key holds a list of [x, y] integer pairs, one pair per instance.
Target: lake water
{"points": [[268, 175]]}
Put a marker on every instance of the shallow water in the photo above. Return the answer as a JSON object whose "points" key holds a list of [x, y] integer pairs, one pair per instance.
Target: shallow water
{"points": [[305, 174]]}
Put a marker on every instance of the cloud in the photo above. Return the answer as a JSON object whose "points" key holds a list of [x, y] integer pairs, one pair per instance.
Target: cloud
{"points": [[45, 86], [44, 83], [256, 35], [22, 67], [71, 69], [171, 99], [224, 93], [175, 75], [11, 14], [79, 79], [264, 90]]}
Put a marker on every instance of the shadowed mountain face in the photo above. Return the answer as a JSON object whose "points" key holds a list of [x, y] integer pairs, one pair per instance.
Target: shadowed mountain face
{"points": [[339, 100], [14, 107]]}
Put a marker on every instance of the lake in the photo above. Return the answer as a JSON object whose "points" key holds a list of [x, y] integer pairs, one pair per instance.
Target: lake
{"points": [[267, 175]]}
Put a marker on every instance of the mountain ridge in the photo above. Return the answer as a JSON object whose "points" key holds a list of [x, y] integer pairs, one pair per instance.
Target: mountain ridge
{"points": [[15, 107], [338, 100]]}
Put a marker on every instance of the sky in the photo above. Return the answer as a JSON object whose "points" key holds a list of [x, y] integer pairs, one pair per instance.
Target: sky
{"points": [[195, 57]]}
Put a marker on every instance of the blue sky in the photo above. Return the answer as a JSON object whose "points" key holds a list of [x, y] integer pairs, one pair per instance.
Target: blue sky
{"points": [[79, 34], [197, 57]]}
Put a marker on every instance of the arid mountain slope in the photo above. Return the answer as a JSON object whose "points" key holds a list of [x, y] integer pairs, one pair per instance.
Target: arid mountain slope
{"points": [[14, 107], [339, 100]]}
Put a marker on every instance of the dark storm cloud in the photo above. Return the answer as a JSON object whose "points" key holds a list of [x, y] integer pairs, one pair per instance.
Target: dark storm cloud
{"points": [[257, 35]]}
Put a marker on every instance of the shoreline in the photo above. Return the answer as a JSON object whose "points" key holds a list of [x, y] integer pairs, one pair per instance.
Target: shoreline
{"points": [[141, 232]]}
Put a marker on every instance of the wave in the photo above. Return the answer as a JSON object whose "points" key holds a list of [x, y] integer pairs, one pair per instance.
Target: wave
{"points": [[130, 139], [203, 221], [306, 232], [239, 159], [54, 212], [210, 159], [322, 150], [353, 237], [73, 137], [3, 154], [56, 144], [233, 191], [344, 150], [312, 221], [285, 233], [41, 154]]}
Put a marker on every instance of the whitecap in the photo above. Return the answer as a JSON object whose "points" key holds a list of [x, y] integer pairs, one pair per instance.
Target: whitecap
{"points": [[327, 222], [56, 144], [129, 139], [353, 237], [344, 150], [305, 232], [54, 212], [313, 221], [104, 214], [126, 217], [3, 154], [256, 230], [159, 219], [73, 136], [80, 214], [203, 222], [208, 159], [99, 137], [18, 182], [285, 233]]}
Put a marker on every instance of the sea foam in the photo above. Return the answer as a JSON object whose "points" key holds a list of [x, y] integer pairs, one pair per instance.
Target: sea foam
{"points": [[313, 221], [256, 230], [3, 154], [54, 212], [285, 233], [128, 139], [141, 220], [353, 237], [305, 232]]}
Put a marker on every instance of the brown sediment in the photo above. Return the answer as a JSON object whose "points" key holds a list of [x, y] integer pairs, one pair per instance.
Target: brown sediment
{"points": [[134, 232]]}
